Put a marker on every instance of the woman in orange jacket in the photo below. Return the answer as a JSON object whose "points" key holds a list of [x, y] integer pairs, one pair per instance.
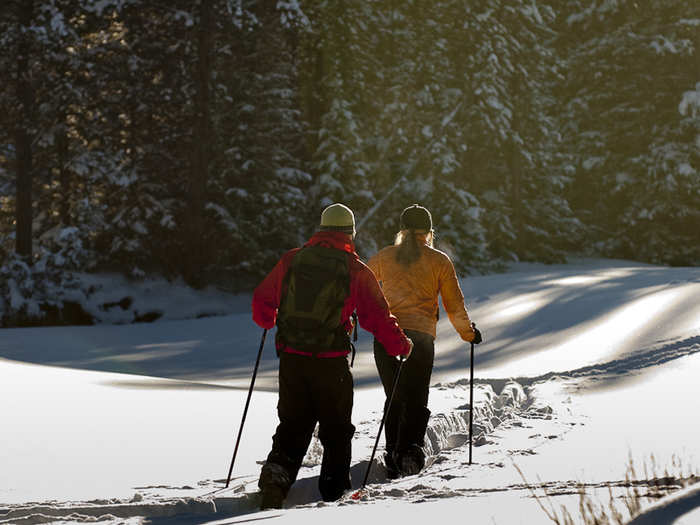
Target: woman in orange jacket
{"points": [[412, 274]]}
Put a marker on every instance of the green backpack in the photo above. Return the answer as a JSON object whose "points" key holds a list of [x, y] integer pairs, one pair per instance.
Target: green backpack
{"points": [[317, 284]]}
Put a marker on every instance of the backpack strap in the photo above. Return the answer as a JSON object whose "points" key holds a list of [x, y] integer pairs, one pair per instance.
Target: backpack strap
{"points": [[354, 324], [354, 338], [352, 358]]}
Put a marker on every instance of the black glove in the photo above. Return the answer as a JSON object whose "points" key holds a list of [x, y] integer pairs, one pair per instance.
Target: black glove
{"points": [[477, 335]]}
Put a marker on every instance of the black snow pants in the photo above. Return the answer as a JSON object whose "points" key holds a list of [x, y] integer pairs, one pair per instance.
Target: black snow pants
{"points": [[408, 417], [312, 390]]}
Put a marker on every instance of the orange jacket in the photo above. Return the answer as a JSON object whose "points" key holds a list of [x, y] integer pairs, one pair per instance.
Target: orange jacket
{"points": [[413, 291]]}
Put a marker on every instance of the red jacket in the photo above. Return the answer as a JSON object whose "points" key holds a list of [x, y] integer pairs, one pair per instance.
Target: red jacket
{"points": [[365, 297]]}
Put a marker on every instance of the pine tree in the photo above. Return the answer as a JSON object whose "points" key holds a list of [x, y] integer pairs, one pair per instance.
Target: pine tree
{"points": [[634, 162], [258, 198]]}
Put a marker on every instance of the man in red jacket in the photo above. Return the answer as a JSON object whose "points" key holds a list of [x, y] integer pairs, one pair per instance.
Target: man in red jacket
{"points": [[315, 383]]}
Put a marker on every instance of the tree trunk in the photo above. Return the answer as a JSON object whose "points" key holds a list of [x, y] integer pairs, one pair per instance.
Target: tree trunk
{"points": [[63, 173], [515, 168], [202, 149], [23, 140]]}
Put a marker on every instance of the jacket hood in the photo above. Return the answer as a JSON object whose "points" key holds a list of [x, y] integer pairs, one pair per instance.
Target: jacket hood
{"points": [[331, 239]]}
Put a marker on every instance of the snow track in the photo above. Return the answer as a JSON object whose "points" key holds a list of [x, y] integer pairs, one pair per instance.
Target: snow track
{"points": [[654, 355], [448, 429], [95, 511]]}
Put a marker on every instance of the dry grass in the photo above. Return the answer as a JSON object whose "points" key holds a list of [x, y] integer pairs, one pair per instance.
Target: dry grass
{"points": [[634, 493]]}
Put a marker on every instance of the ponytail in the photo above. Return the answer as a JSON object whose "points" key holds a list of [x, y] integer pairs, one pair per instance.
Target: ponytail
{"points": [[409, 248]]}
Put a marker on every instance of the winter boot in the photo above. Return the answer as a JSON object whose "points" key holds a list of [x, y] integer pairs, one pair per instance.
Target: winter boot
{"points": [[334, 479], [411, 460], [274, 484], [333, 488], [409, 456], [272, 498]]}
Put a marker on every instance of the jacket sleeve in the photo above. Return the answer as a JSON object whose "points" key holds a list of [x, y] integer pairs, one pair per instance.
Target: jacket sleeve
{"points": [[266, 297], [453, 301], [373, 312]]}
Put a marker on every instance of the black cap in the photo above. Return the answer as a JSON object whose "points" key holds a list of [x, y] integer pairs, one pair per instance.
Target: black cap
{"points": [[416, 217]]}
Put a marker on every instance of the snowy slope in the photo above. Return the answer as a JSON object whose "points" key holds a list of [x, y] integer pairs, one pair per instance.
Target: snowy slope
{"points": [[584, 365]]}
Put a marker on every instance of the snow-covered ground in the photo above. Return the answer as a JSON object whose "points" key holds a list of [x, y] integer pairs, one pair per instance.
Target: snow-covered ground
{"points": [[584, 366]]}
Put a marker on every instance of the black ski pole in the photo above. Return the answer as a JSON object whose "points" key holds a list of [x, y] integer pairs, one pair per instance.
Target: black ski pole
{"points": [[471, 401], [245, 410], [381, 425]]}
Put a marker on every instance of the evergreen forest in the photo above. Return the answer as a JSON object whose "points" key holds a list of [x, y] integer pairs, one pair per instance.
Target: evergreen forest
{"points": [[198, 140]]}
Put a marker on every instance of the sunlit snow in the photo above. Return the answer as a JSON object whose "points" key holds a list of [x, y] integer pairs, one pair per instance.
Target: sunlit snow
{"points": [[583, 367]]}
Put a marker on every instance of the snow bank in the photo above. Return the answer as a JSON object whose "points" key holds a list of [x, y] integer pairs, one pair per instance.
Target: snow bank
{"points": [[32, 298], [114, 299]]}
